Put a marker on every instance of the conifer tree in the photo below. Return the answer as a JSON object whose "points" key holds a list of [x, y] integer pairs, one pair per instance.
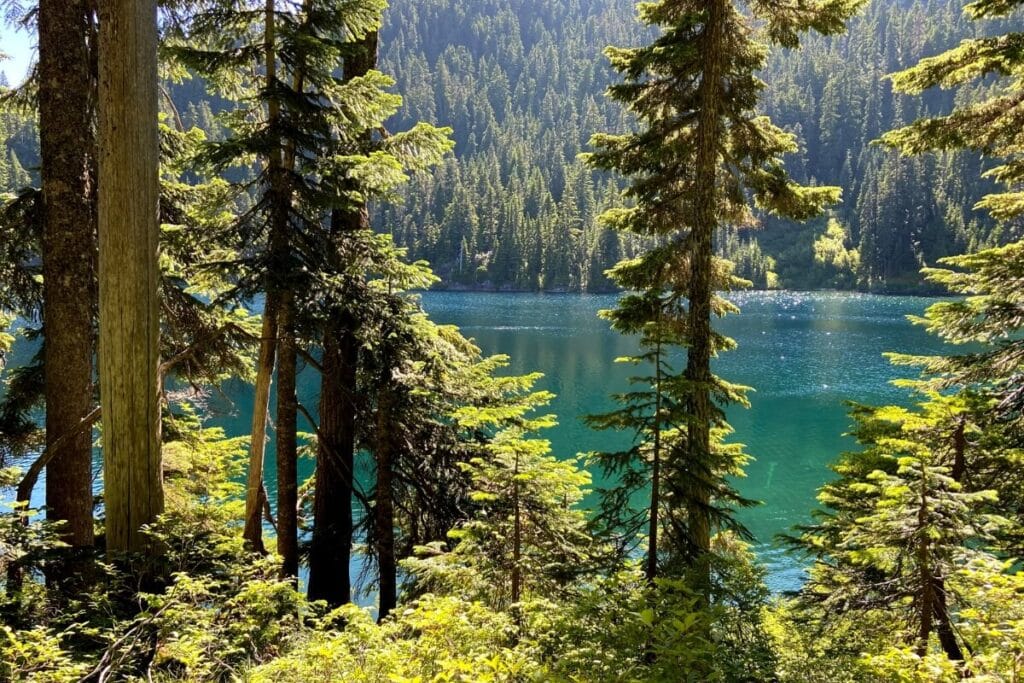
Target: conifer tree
{"points": [[908, 513], [526, 536], [990, 280], [655, 413], [702, 159], [325, 154]]}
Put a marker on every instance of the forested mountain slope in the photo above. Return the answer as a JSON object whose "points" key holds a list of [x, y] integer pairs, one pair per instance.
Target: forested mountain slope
{"points": [[522, 85], [518, 82]]}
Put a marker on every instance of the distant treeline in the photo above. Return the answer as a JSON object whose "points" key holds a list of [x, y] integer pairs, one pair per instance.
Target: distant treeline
{"points": [[515, 210]]}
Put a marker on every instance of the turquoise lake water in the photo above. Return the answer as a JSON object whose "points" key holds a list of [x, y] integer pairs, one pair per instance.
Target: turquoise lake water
{"points": [[805, 354]]}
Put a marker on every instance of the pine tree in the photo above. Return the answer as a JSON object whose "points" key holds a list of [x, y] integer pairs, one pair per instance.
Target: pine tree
{"points": [[526, 537], [702, 156], [306, 245], [656, 413], [990, 280]]}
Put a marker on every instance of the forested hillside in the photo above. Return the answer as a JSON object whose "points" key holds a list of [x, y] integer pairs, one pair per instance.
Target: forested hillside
{"points": [[519, 84]]}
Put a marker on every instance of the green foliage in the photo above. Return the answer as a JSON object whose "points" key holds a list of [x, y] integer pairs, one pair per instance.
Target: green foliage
{"points": [[432, 639], [623, 628], [837, 261], [527, 536], [991, 125]]}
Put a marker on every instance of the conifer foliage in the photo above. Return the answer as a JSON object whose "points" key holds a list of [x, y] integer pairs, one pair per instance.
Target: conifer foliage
{"points": [[701, 160]]}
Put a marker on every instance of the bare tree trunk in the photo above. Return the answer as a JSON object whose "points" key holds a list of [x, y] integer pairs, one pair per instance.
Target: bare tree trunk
{"points": [[652, 534], [255, 492], [128, 270], [384, 505], [517, 537], [67, 147], [698, 359], [287, 452]]}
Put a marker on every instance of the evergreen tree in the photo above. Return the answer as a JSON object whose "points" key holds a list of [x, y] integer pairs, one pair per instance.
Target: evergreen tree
{"points": [[526, 537], [907, 514], [989, 280], [701, 155]]}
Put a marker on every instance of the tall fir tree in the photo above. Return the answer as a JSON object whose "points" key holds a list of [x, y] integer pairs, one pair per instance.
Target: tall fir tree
{"points": [[701, 159]]}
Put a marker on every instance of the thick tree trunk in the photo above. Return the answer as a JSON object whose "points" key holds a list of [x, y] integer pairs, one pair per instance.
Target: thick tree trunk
{"points": [[128, 270], [287, 452], [698, 360], [331, 549], [384, 505], [67, 147], [255, 492]]}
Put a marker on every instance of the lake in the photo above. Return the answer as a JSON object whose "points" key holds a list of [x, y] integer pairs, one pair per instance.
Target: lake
{"points": [[805, 354]]}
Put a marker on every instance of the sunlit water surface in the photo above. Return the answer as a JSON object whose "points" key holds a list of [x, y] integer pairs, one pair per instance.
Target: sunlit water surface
{"points": [[805, 355]]}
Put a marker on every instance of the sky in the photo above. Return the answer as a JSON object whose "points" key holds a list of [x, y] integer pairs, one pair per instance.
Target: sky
{"points": [[18, 46]]}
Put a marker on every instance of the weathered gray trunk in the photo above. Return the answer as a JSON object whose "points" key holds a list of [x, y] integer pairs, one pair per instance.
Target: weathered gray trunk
{"points": [[128, 270], [255, 492], [67, 147]]}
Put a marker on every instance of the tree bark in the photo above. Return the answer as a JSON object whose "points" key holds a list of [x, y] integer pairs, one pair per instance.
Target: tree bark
{"points": [[384, 505], [128, 271], [331, 550], [67, 148], [287, 451], [652, 534], [944, 623], [517, 537], [698, 358], [255, 492]]}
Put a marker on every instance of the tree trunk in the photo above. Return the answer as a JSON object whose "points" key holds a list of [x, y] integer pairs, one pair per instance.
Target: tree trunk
{"points": [[652, 534], [944, 624], [128, 270], [67, 147], [331, 549], [943, 621], [255, 492], [287, 451], [698, 358], [517, 537], [384, 507]]}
